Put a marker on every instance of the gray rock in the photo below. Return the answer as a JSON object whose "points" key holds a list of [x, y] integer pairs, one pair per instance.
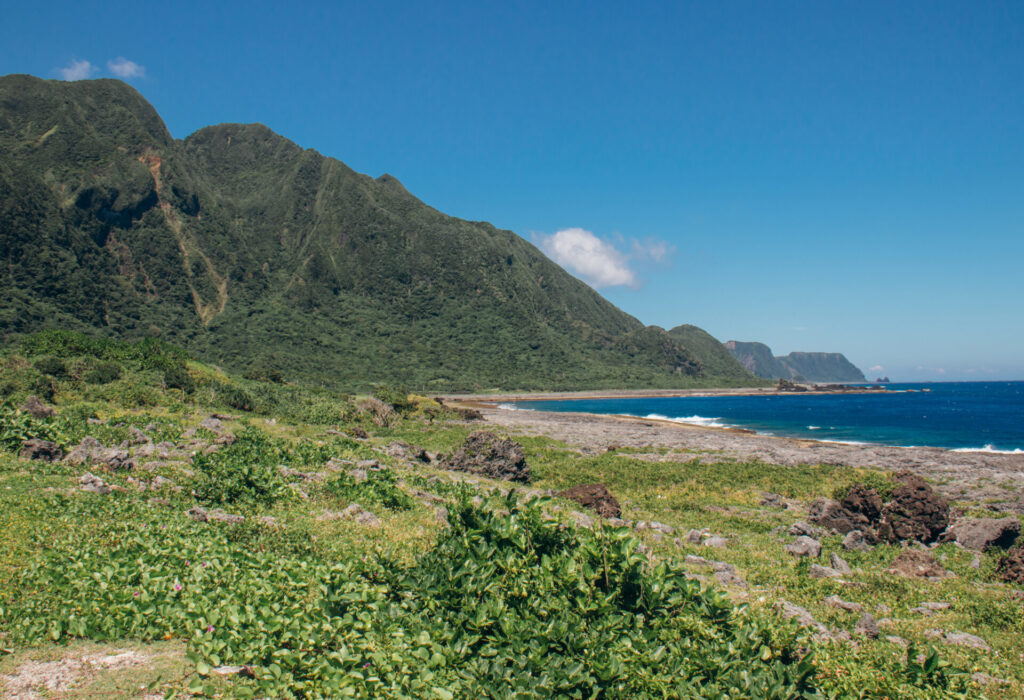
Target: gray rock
{"points": [[985, 679], [981, 534], [654, 525], [139, 437], [936, 607], [617, 522], [212, 424], [920, 611], [696, 536], [93, 484], [965, 640], [41, 450], [830, 515], [837, 602], [359, 475], [716, 541], [36, 408], [819, 571], [975, 562], [801, 528], [839, 564], [801, 615], [728, 578], [772, 500], [441, 516], [855, 541], [694, 560], [867, 626], [361, 515], [893, 639], [804, 547]]}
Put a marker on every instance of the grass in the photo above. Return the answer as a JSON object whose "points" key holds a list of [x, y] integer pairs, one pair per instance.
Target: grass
{"points": [[326, 606]]}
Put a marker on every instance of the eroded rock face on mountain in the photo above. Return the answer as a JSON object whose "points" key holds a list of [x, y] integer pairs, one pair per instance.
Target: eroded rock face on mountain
{"points": [[486, 454], [596, 497]]}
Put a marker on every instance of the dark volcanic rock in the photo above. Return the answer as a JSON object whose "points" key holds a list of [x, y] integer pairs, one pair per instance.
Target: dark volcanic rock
{"points": [[36, 408], [596, 497], [983, 533], [863, 500], [916, 512], [1011, 568], [486, 454], [41, 449], [831, 515]]}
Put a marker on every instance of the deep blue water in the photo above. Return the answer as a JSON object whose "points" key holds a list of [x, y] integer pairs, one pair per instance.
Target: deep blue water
{"points": [[955, 415]]}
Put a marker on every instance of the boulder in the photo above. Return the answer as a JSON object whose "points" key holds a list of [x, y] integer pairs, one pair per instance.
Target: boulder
{"points": [[93, 484], [804, 547], [855, 541], [212, 424], [596, 497], [41, 449], [965, 640], [837, 602], [486, 454], [839, 564], [1011, 568], [91, 451], [802, 616], [867, 626], [830, 515], [914, 563], [361, 515], [980, 534], [916, 512], [801, 528], [863, 500], [819, 571], [36, 408]]}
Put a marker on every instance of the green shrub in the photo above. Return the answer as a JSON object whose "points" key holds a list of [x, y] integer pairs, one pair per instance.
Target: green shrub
{"points": [[53, 366], [177, 377], [103, 372], [397, 397], [883, 484], [243, 474], [378, 488]]}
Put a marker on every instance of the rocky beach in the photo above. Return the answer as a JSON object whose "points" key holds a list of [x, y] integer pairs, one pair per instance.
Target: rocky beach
{"points": [[992, 479]]}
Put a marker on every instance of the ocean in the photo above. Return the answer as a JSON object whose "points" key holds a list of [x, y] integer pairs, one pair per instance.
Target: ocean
{"points": [[970, 416]]}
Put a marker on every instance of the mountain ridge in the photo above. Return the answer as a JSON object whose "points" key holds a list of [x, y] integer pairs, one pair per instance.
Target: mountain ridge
{"points": [[254, 252], [758, 359]]}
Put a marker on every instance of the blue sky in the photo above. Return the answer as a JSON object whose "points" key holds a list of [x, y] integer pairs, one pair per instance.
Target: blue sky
{"points": [[816, 176]]}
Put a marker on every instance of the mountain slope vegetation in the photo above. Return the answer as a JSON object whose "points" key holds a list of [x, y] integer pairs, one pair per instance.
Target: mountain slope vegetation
{"points": [[264, 257]]}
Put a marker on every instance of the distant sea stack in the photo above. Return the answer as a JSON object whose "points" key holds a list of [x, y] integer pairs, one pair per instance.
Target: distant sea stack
{"points": [[758, 359]]}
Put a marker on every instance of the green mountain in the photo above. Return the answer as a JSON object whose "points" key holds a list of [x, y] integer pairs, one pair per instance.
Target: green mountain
{"points": [[822, 367], [803, 366], [259, 255], [717, 360]]}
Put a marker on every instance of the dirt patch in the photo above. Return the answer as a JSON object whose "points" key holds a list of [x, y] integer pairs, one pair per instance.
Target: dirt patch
{"points": [[59, 677]]}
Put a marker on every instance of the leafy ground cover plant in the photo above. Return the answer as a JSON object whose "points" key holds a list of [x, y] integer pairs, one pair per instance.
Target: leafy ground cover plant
{"points": [[378, 488]]}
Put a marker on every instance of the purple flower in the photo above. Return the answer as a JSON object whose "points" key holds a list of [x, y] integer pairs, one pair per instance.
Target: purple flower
{"points": [[210, 628], [366, 665], [135, 594], [177, 586], [187, 562], [204, 564]]}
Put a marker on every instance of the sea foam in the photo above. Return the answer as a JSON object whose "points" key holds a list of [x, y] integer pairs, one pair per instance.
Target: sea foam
{"points": [[691, 420], [991, 449]]}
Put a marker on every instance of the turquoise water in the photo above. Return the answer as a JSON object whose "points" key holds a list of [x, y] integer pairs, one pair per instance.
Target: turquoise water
{"points": [[986, 416]]}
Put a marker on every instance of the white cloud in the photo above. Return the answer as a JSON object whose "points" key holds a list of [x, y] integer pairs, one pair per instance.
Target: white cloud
{"points": [[123, 68], [876, 368], [597, 262], [77, 70], [651, 249]]}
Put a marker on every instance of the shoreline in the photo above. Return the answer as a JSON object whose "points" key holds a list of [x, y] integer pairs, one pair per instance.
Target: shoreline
{"points": [[988, 479], [806, 390]]}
